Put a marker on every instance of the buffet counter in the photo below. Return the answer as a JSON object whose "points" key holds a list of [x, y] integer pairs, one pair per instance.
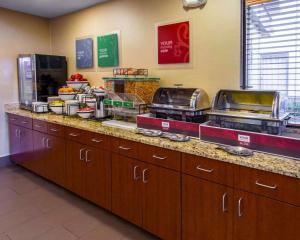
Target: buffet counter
{"points": [[260, 161]]}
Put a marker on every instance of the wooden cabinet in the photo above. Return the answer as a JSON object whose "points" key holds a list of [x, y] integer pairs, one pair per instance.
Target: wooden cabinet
{"points": [[143, 184], [55, 159], [14, 142], [127, 188], [89, 173], [147, 196], [49, 157], [21, 147], [97, 177], [260, 218], [40, 154], [207, 210], [162, 205]]}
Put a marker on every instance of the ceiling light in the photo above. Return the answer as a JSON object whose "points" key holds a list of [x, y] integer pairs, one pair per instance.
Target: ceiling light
{"points": [[194, 3]]}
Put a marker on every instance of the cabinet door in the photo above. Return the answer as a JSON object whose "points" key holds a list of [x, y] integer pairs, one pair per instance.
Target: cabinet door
{"points": [[98, 177], [40, 153], [261, 218], [127, 188], [162, 201], [26, 147], [75, 163], [207, 210], [55, 164], [14, 143]]}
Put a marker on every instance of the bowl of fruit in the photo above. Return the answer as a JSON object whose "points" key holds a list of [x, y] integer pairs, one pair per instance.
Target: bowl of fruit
{"points": [[86, 112], [57, 107], [77, 82], [67, 93]]}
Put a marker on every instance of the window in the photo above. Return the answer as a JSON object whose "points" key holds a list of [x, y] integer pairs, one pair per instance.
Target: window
{"points": [[272, 48]]}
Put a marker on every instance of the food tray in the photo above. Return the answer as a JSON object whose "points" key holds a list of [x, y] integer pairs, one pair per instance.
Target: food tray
{"points": [[124, 104], [142, 86]]}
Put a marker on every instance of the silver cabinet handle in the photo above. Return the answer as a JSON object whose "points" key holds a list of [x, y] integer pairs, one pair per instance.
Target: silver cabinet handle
{"points": [[87, 160], [274, 187], [24, 122], [13, 119], [240, 213], [47, 143], [16, 133], [159, 158], [145, 180], [80, 154], [37, 126], [135, 176], [124, 148], [73, 135], [43, 142], [19, 133], [53, 130], [96, 140], [224, 200], [204, 170]]}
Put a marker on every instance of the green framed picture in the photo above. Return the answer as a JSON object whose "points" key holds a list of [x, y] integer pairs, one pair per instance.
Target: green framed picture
{"points": [[108, 50]]}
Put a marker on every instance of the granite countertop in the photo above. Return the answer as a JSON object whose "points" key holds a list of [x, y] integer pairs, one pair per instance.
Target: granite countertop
{"points": [[261, 161]]}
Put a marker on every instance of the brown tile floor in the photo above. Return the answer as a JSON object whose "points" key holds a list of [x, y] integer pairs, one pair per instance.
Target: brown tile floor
{"points": [[34, 209]]}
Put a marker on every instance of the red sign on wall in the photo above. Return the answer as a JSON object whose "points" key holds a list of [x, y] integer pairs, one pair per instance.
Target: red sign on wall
{"points": [[174, 43]]}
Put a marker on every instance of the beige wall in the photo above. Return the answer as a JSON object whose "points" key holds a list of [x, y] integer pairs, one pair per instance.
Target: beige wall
{"points": [[20, 33], [215, 39]]}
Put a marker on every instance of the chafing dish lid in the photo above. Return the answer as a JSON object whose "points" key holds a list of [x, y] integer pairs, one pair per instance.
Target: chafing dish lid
{"points": [[184, 98]]}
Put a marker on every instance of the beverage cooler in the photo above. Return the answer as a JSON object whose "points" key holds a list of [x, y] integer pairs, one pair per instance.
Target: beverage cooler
{"points": [[40, 77]]}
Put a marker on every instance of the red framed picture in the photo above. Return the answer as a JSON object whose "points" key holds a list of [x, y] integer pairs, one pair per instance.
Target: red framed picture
{"points": [[174, 43]]}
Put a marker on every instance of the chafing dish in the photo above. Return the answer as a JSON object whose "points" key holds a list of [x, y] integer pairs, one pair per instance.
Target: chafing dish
{"points": [[186, 104], [257, 111]]}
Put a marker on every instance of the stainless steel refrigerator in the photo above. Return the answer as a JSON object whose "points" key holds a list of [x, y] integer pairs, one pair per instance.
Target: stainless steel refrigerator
{"points": [[40, 77]]}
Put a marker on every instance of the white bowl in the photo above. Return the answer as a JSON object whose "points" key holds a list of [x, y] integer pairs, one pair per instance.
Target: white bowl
{"points": [[67, 96], [85, 115], [77, 85], [58, 109]]}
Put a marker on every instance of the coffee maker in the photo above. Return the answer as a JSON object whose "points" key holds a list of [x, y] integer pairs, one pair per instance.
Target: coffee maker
{"points": [[100, 112]]}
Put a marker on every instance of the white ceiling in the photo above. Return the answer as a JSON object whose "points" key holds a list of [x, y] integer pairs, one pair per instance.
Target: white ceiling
{"points": [[48, 8]]}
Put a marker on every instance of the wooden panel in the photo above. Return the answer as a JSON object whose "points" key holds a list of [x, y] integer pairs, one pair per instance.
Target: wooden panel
{"points": [[26, 147], [207, 210], [98, 177], [39, 125], [160, 156], [272, 185], [25, 122], [254, 2], [162, 202], [209, 169], [40, 153], [14, 143], [125, 147], [75, 166], [99, 140], [13, 119], [126, 189], [56, 130], [56, 163], [77, 135], [262, 218]]}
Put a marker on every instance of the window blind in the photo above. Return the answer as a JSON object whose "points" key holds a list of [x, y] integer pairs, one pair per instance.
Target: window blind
{"points": [[273, 48]]}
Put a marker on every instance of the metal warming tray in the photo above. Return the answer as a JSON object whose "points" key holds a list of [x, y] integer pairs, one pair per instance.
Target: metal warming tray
{"points": [[257, 111], [186, 104]]}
